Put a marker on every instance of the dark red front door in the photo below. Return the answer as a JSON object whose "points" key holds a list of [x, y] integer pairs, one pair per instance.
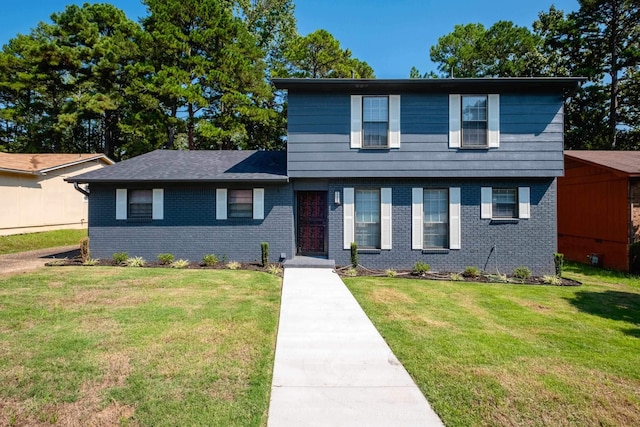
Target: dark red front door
{"points": [[312, 223]]}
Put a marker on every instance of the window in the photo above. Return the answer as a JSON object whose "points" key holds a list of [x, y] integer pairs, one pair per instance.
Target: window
{"points": [[504, 203], [240, 204], [375, 121], [436, 218], [474, 121], [140, 204], [367, 213]]}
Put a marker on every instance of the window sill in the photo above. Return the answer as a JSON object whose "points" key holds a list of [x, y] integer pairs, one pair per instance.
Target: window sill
{"points": [[474, 148], [385, 148], [435, 251], [505, 220], [369, 251]]}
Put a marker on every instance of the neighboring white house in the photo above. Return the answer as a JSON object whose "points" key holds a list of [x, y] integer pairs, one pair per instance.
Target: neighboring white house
{"points": [[34, 196]]}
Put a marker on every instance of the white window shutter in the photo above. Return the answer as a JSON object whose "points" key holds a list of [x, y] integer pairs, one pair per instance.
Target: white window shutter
{"points": [[417, 218], [394, 121], [348, 216], [385, 223], [455, 134], [486, 201], [455, 232], [258, 203], [158, 204], [356, 121], [221, 203], [524, 202], [121, 203], [494, 121]]}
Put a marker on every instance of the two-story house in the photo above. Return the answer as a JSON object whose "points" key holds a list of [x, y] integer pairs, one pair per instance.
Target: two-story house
{"points": [[451, 172]]}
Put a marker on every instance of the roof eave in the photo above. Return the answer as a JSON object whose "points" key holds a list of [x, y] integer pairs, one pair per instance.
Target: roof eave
{"points": [[21, 172], [77, 162], [284, 179]]}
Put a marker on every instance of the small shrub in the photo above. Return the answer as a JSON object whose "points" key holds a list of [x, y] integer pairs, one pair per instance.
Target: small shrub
{"points": [[390, 273], [354, 255], [209, 260], [471, 271], [120, 258], [456, 277], [181, 263], [522, 273], [57, 262], [558, 260], [421, 267], [264, 248], [351, 272], [552, 280], [499, 278], [85, 253], [137, 261], [233, 265], [165, 259], [90, 261], [274, 269]]}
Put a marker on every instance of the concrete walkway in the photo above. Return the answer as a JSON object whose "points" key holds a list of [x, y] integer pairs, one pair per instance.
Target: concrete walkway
{"points": [[25, 261], [332, 367]]}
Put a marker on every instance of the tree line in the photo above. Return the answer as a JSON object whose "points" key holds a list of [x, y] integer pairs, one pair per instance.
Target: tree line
{"points": [[195, 74], [600, 41], [192, 74]]}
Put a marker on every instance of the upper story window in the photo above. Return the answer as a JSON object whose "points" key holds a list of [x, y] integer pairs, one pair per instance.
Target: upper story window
{"points": [[474, 121], [140, 204], [375, 121], [240, 204]]}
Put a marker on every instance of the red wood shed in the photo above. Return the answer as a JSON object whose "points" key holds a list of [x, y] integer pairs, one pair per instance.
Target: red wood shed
{"points": [[599, 207]]}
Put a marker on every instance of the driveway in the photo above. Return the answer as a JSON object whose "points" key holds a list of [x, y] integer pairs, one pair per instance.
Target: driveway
{"points": [[25, 261]]}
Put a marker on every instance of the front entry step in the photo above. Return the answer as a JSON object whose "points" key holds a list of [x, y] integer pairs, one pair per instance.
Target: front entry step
{"points": [[309, 262]]}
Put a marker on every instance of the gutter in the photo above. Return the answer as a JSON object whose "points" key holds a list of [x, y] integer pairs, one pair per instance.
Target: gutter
{"points": [[80, 189]]}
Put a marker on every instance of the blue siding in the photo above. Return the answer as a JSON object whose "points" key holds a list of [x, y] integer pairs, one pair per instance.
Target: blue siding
{"points": [[531, 140], [189, 229]]}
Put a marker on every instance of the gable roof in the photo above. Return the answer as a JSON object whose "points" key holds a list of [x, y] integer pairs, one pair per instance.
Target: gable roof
{"points": [[193, 166], [627, 162], [40, 164], [456, 85]]}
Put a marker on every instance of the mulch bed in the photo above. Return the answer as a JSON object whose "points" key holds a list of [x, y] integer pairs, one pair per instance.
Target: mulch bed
{"points": [[253, 266], [446, 276]]}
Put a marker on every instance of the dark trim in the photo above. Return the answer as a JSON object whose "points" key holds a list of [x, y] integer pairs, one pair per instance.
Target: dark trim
{"points": [[436, 251], [471, 86]]}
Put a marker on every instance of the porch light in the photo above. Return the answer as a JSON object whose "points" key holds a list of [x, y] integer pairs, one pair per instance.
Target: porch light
{"points": [[336, 197]]}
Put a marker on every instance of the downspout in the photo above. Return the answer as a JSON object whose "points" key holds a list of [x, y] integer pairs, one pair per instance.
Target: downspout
{"points": [[80, 189]]}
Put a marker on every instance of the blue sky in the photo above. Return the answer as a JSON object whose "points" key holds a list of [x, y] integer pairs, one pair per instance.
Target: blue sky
{"points": [[392, 36]]}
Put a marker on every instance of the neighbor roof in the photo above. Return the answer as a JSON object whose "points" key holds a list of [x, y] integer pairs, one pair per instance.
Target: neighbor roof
{"points": [[40, 164], [627, 162], [464, 85], [191, 166]]}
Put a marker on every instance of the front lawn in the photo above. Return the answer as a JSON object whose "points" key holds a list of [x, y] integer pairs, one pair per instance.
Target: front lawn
{"points": [[43, 240], [128, 346], [496, 354]]}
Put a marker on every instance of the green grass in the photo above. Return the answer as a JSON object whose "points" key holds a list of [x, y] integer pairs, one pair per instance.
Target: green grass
{"points": [[124, 346], [33, 241], [498, 355]]}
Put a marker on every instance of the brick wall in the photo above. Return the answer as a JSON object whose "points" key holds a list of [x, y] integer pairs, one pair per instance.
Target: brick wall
{"points": [[487, 244], [189, 229]]}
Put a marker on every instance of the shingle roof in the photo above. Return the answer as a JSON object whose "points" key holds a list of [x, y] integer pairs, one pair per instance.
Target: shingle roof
{"points": [[627, 162], [191, 166], [42, 163]]}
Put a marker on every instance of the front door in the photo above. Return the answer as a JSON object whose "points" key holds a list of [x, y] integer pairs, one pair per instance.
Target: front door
{"points": [[312, 223]]}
